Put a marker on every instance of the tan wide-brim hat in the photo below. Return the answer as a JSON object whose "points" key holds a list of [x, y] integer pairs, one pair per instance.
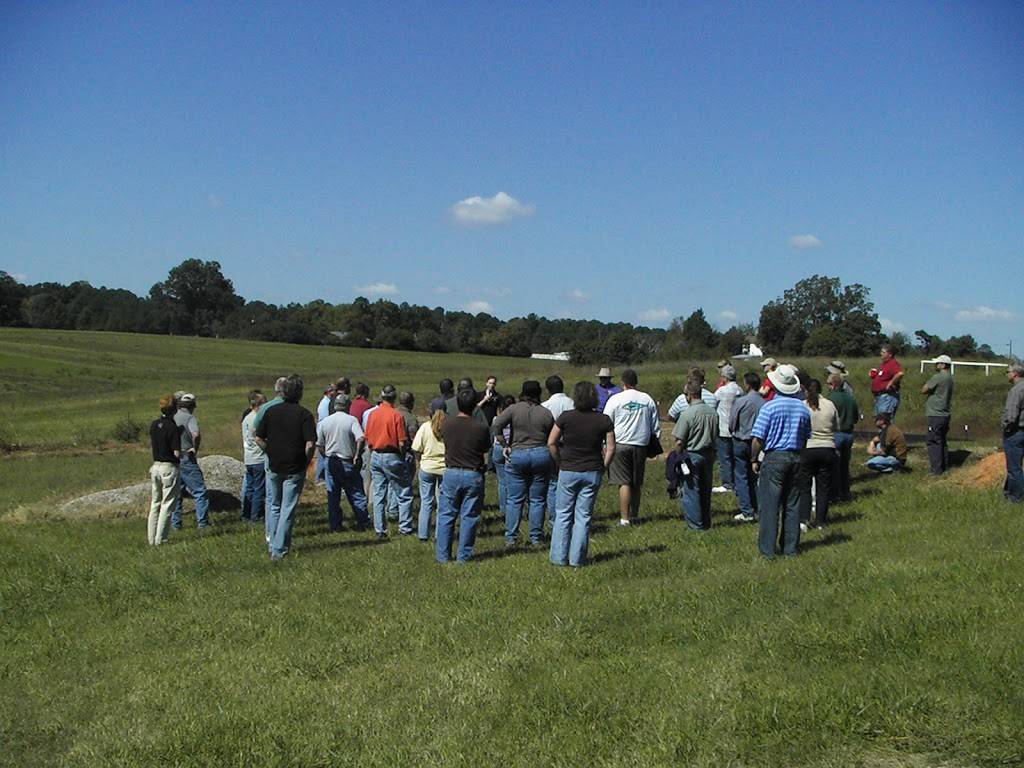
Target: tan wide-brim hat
{"points": [[769, 361], [604, 373], [944, 359], [784, 379]]}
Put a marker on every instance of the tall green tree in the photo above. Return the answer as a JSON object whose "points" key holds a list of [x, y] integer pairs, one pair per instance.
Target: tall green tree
{"points": [[196, 297]]}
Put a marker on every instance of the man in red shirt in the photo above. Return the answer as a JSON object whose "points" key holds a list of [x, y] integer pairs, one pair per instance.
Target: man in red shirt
{"points": [[389, 440], [885, 383], [361, 404]]}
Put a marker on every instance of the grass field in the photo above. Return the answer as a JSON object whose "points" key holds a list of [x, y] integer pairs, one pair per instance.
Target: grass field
{"points": [[894, 640]]}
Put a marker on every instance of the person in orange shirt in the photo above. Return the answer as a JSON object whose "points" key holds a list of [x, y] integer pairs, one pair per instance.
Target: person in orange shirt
{"points": [[388, 438]]}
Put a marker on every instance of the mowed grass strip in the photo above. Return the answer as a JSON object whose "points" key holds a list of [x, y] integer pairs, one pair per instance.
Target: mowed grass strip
{"points": [[896, 633]]}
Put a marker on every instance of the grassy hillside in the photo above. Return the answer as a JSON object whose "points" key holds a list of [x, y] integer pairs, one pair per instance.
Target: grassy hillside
{"points": [[894, 640]]}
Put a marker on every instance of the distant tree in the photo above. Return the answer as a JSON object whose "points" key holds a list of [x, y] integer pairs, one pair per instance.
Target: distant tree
{"points": [[731, 342], [927, 343], [787, 323], [12, 294], [197, 296], [900, 342]]}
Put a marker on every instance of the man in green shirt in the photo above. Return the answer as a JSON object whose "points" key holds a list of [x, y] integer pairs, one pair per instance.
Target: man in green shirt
{"points": [[937, 410], [696, 435], [849, 414]]}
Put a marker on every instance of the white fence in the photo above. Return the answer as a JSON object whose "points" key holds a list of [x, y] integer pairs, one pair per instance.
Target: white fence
{"points": [[955, 363]]}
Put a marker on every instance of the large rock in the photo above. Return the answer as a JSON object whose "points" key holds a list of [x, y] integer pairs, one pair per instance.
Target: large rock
{"points": [[223, 483]]}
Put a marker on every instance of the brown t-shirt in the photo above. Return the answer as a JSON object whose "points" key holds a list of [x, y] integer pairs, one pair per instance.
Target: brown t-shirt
{"points": [[894, 443], [583, 434], [466, 441]]}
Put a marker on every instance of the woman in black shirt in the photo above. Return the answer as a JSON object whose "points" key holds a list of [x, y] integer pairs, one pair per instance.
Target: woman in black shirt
{"points": [[582, 444]]}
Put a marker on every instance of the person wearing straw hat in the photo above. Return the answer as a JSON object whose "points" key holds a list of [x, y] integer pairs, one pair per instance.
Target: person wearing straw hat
{"points": [[781, 430], [939, 389], [838, 367], [605, 388], [767, 390]]}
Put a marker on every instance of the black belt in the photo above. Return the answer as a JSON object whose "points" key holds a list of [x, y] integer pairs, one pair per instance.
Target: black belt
{"points": [[468, 469], [389, 449]]}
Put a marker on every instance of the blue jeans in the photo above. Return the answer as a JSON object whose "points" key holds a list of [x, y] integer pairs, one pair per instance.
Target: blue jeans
{"points": [[430, 487], [462, 495], [342, 476], [887, 402], [575, 496], [283, 493], [192, 480], [779, 492], [1014, 447], [696, 490], [391, 475], [498, 459], [844, 448], [745, 479], [884, 463], [527, 474], [254, 495], [322, 473], [726, 462]]}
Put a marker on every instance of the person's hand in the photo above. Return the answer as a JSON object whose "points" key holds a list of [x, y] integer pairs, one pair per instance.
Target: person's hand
{"points": [[756, 466], [507, 452]]}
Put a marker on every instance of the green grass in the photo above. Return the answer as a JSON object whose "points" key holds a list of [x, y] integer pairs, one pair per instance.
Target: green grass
{"points": [[893, 640]]}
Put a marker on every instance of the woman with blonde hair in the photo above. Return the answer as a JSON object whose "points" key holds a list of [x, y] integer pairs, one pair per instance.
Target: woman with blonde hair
{"points": [[428, 445]]}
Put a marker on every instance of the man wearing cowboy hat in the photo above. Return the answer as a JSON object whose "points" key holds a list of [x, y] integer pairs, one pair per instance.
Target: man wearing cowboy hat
{"points": [[605, 388], [781, 430], [937, 411]]}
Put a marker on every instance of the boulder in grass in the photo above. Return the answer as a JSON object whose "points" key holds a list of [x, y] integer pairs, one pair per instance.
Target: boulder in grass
{"points": [[223, 484]]}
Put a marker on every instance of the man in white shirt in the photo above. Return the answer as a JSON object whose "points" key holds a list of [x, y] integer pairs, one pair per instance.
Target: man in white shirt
{"points": [[635, 417], [340, 440], [680, 404], [558, 403], [726, 395], [254, 487]]}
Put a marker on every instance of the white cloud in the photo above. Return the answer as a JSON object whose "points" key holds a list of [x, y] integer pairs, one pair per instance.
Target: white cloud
{"points": [[890, 327], [805, 242], [655, 316], [728, 314], [577, 295], [213, 201], [476, 307], [484, 211], [377, 289], [982, 313]]}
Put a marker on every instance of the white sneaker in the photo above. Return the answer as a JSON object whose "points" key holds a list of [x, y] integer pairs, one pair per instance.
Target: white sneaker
{"points": [[803, 528], [719, 489], [623, 522], [741, 518]]}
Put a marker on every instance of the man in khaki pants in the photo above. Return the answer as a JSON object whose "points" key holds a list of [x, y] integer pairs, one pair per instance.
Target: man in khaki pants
{"points": [[165, 439]]}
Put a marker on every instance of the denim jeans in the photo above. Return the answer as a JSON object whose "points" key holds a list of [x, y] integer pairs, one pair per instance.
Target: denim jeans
{"points": [[575, 496], [527, 475], [192, 480], [938, 448], [462, 495], [817, 465], [430, 487], [884, 464], [390, 473], [726, 462], [887, 402], [1013, 445], [283, 493], [254, 493], [343, 477], [844, 449], [744, 479], [322, 473], [696, 489], [498, 459], [779, 493]]}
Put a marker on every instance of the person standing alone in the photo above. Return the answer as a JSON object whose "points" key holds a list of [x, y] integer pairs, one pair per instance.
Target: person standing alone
{"points": [[1013, 434], [937, 410]]}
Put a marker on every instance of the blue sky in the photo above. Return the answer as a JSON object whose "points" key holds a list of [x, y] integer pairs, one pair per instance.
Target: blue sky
{"points": [[652, 157]]}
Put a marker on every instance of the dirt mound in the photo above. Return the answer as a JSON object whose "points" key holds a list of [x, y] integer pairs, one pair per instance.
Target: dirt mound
{"points": [[988, 472]]}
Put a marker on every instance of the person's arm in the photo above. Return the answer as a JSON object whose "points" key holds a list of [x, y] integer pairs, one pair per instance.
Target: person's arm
{"points": [[756, 446], [609, 448], [321, 441], [501, 421], [675, 409], [894, 381], [928, 386], [553, 437], [655, 422]]}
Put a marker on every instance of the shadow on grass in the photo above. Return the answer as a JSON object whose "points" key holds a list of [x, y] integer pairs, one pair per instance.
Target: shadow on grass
{"points": [[323, 544], [651, 549], [958, 457], [827, 540]]}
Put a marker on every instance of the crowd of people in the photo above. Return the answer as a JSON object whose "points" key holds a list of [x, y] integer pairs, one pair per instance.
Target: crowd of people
{"points": [[782, 443]]}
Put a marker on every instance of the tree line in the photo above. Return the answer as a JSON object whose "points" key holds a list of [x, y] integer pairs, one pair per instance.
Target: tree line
{"points": [[818, 316]]}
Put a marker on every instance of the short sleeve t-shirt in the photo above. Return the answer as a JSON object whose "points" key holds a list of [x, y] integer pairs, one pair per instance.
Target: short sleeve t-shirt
{"points": [[466, 440], [884, 376], [431, 450], [189, 428], [286, 429], [583, 435], [165, 439], [940, 398]]}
